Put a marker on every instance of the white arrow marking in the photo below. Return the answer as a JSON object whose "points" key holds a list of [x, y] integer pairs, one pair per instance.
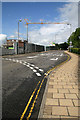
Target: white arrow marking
{"points": [[54, 59]]}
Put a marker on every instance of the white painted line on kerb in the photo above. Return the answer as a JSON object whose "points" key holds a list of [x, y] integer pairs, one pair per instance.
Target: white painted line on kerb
{"points": [[41, 70], [34, 70], [38, 74], [54, 59]]}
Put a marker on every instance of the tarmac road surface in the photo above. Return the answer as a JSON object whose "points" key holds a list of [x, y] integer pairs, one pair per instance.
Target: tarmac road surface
{"points": [[23, 82]]}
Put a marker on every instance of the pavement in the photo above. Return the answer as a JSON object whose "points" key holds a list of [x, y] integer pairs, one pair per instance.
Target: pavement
{"points": [[62, 94]]}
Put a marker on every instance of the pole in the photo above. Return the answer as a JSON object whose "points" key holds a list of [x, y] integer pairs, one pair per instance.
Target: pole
{"points": [[18, 37], [70, 38], [18, 30], [27, 32], [27, 37]]}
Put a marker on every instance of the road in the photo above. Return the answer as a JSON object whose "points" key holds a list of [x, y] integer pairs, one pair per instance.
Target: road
{"points": [[23, 82]]}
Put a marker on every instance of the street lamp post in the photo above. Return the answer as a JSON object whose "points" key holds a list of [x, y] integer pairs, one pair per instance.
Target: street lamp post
{"points": [[18, 27], [70, 35], [18, 33], [27, 37]]}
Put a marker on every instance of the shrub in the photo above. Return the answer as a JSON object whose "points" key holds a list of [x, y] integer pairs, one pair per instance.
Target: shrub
{"points": [[75, 50]]}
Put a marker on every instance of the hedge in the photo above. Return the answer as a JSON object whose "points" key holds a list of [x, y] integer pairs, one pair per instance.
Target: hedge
{"points": [[75, 50]]}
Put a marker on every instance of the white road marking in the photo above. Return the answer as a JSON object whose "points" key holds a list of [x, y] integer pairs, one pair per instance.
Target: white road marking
{"points": [[61, 55], [31, 68], [38, 74], [9, 59], [54, 54], [34, 70], [32, 65], [27, 65], [57, 55], [42, 54], [41, 70], [24, 64], [20, 62], [14, 60], [17, 60], [54, 59], [6, 58], [32, 57], [36, 67]]}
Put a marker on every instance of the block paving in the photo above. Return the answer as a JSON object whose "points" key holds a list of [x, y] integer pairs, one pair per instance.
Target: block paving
{"points": [[63, 92]]}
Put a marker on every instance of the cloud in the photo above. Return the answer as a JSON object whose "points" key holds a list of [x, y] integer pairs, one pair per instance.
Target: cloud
{"points": [[3, 39], [46, 34]]}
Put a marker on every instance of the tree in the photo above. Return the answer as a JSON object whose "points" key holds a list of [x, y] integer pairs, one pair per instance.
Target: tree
{"points": [[75, 38]]}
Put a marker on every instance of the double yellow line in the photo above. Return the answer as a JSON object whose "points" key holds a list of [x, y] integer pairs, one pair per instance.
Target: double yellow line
{"points": [[32, 107]]}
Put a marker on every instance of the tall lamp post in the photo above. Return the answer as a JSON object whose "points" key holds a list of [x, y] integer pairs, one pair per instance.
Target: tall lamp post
{"points": [[18, 27], [70, 35], [18, 33]]}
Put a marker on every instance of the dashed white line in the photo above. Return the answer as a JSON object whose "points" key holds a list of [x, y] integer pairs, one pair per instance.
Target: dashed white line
{"points": [[36, 67], [17, 60], [14, 60], [6, 58], [38, 74], [32, 65], [41, 70], [31, 68], [20, 62], [34, 70], [32, 57], [24, 64], [27, 65], [9, 59]]}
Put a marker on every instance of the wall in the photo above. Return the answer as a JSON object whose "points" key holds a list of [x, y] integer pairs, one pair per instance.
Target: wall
{"points": [[6, 51], [25, 48]]}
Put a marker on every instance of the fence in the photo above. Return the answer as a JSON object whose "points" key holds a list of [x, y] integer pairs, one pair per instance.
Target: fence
{"points": [[21, 48]]}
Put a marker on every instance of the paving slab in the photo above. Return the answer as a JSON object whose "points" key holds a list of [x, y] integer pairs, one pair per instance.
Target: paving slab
{"points": [[62, 96]]}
